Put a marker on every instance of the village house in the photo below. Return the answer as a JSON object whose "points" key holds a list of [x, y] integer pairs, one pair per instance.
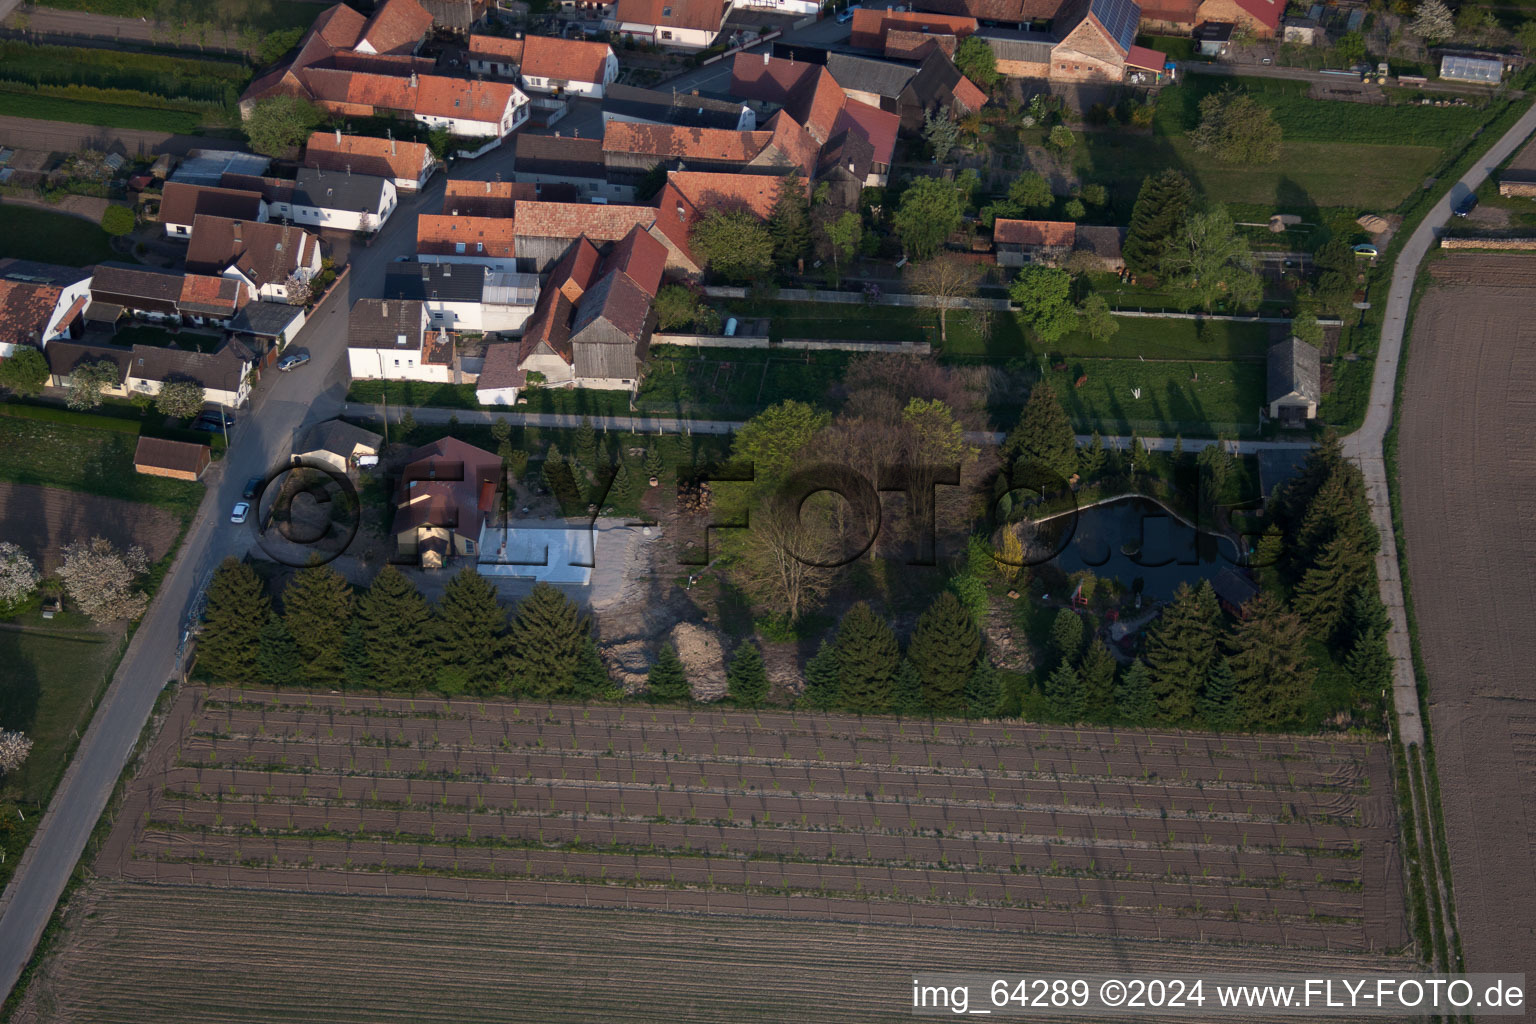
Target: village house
{"points": [[631, 150], [396, 27], [550, 163], [39, 303], [545, 232], [224, 375], [407, 165], [171, 296], [388, 339], [547, 64], [337, 445], [447, 499], [267, 326], [675, 24], [464, 298], [683, 109], [1022, 242], [1294, 382], [265, 257], [1260, 17], [180, 203], [339, 200], [911, 91], [175, 460], [484, 241]]}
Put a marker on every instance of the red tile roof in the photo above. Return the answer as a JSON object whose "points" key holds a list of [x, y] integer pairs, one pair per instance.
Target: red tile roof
{"points": [[1265, 12], [339, 27], [877, 126], [442, 234], [398, 26], [792, 142], [448, 483], [24, 310], [640, 257], [567, 60], [818, 107], [500, 369], [177, 456], [598, 221], [705, 15], [969, 95], [902, 44], [1178, 12], [1033, 232], [486, 198], [454, 97], [664, 140], [499, 49], [754, 192], [1146, 58], [208, 293], [180, 202], [265, 253], [382, 157], [758, 76], [871, 25]]}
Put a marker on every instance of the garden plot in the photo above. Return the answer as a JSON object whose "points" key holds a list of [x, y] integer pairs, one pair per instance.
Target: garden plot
{"points": [[1276, 841]]}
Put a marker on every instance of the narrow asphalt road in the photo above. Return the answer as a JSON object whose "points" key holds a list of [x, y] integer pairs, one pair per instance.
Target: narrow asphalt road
{"points": [[1365, 444]]}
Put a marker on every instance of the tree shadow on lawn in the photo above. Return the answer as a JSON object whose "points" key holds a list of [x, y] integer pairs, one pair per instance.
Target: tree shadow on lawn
{"points": [[20, 687]]}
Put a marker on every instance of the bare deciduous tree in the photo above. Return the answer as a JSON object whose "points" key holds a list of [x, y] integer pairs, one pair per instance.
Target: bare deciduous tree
{"points": [[14, 748], [784, 547], [18, 575], [946, 277], [100, 579]]}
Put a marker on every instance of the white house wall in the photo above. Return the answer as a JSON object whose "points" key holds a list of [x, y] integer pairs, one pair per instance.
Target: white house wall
{"points": [[402, 363]]}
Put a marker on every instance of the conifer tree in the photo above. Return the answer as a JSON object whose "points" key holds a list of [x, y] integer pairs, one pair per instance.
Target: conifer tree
{"points": [[1370, 664], [397, 628], [1141, 461], [1290, 501], [1326, 588], [471, 629], [867, 659], [586, 442], [653, 463], [1134, 703], [1160, 210], [1268, 657], [1064, 693], [1066, 636], [1268, 555], [232, 622], [1043, 440], [1218, 701], [821, 679], [983, 693], [746, 681], [944, 647], [1090, 460], [1366, 615], [544, 643], [591, 678], [908, 691], [277, 658], [1179, 649], [1097, 671], [790, 221], [668, 680], [317, 605], [357, 672], [622, 487]]}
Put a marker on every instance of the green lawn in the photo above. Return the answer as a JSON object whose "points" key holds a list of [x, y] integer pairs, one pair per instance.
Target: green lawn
{"points": [[80, 458], [1163, 338], [107, 115], [724, 383], [1225, 400], [159, 337], [413, 393], [29, 233], [51, 677]]}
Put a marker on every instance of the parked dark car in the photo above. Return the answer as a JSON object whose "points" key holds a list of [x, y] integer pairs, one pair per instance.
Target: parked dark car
{"points": [[252, 486], [209, 421], [1467, 205]]}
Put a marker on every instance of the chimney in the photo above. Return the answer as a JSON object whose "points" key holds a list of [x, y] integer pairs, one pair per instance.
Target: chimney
{"points": [[447, 269], [455, 211], [235, 227], [487, 188], [765, 58], [413, 79], [338, 136], [385, 307]]}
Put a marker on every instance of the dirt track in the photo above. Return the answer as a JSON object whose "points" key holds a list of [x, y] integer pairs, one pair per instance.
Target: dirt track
{"points": [[1468, 482], [44, 519]]}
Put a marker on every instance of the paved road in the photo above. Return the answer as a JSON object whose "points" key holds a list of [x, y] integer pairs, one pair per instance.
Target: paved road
{"points": [[1365, 444]]}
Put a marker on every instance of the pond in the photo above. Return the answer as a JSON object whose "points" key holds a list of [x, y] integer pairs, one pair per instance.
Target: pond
{"points": [[1137, 538]]}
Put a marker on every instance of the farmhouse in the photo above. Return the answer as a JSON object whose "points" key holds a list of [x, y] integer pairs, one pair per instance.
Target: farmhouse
{"points": [[265, 257], [467, 298], [675, 24], [389, 340], [180, 203], [178, 460], [407, 164], [397, 27], [1021, 242], [121, 288], [224, 375], [486, 241], [446, 500], [907, 90], [41, 306], [337, 445], [551, 164], [1261, 17], [873, 27], [686, 110], [545, 232], [631, 150], [340, 200], [1294, 382]]}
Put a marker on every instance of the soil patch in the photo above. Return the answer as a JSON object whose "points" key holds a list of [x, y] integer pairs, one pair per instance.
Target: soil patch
{"points": [[43, 520]]}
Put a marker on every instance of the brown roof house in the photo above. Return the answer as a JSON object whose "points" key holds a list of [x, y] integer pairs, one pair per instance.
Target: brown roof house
{"points": [[1294, 382], [446, 501], [180, 203], [389, 339], [264, 256], [675, 24], [225, 375], [397, 27], [35, 311], [178, 460], [407, 164], [337, 445], [1020, 242]]}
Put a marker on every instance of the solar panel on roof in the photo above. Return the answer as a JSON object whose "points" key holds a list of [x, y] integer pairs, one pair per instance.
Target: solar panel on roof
{"points": [[1119, 18], [1356, 18]]}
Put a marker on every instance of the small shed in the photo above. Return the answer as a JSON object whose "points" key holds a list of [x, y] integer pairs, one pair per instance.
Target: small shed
{"points": [[1145, 60], [1471, 69], [1099, 247], [178, 460], [1294, 382], [1233, 590], [1214, 38], [1020, 242]]}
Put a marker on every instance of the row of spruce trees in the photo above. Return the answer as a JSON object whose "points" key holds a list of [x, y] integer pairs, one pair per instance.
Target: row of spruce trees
{"points": [[389, 637]]}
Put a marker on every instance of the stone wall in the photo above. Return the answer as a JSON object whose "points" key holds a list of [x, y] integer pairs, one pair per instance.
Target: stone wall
{"points": [[1488, 243]]}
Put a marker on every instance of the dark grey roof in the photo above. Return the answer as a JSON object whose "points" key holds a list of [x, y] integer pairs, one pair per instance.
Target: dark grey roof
{"points": [[446, 282], [1234, 588], [881, 77], [152, 284], [265, 319], [223, 370], [1100, 240], [1213, 32], [1013, 44], [43, 273], [935, 80], [64, 356], [337, 190], [844, 149], [662, 107], [565, 158], [339, 438], [1294, 366], [382, 323], [1278, 465]]}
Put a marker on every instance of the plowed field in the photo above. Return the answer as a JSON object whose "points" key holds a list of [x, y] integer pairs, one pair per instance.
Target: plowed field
{"points": [[45, 519], [1288, 842]]}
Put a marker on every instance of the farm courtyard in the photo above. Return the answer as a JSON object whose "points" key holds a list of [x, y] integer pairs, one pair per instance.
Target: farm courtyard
{"points": [[1233, 849]]}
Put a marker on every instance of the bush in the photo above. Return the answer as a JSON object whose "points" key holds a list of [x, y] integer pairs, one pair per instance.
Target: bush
{"points": [[117, 221]]}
